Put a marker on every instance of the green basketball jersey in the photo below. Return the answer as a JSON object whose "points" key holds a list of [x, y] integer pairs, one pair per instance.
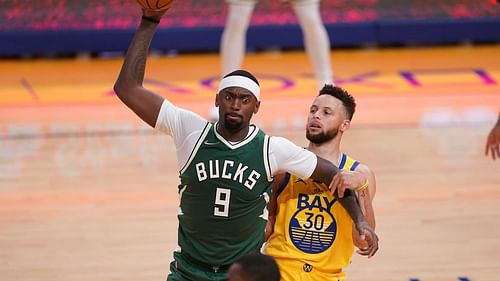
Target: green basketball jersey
{"points": [[223, 198]]}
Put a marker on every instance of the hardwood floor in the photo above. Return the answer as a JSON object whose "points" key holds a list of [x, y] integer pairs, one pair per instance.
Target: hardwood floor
{"points": [[88, 192]]}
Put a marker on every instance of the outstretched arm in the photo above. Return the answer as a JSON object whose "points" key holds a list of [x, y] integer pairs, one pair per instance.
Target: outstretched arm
{"points": [[128, 86], [325, 172], [337, 180], [368, 237], [493, 141], [287, 156]]}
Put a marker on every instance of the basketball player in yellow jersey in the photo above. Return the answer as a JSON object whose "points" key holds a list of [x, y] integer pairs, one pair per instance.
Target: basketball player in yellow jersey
{"points": [[313, 236]]}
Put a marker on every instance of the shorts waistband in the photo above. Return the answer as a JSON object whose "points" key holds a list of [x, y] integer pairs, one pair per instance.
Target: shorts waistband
{"points": [[211, 267], [306, 266]]}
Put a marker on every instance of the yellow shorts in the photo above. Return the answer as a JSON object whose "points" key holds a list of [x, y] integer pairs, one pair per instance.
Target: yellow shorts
{"points": [[294, 270]]}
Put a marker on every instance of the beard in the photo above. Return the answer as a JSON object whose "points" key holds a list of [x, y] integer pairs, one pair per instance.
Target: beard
{"points": [[233, 126], [321, 137]]}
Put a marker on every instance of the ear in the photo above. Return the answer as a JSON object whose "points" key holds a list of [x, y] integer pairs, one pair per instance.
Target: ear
{"points": [[256, 109], [216, 100], [346, 124]]}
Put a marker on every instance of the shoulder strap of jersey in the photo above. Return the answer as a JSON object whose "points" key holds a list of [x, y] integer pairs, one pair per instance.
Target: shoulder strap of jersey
{"points": [[346, 161]]}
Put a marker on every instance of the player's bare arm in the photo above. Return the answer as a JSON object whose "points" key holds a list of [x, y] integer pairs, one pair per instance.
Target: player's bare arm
{"points": [[129, 85], [365, 198], [368, 236], [347, 179], [272, 206], [336, 179]]}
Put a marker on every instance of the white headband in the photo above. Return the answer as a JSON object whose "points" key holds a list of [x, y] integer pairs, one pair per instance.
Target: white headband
{"points": [[240, 81]]}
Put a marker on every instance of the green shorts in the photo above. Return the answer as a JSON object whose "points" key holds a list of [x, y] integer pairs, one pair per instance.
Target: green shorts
{"points": [[185, 269]]}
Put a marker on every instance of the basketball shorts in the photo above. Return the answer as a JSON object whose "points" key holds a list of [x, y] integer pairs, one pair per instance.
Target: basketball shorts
{"points": [[184, 269], [294, 270]]}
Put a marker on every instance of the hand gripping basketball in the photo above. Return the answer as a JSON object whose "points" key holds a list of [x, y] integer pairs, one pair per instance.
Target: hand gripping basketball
{"points": [[155, 5]]}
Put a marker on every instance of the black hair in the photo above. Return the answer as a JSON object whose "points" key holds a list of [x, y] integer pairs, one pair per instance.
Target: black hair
{"points": [[341, 94], [244, 73], [259, 267]]}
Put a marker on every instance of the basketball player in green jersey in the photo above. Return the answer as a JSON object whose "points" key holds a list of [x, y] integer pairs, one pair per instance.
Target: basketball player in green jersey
{"points": [[313, 236], [226, 168]]}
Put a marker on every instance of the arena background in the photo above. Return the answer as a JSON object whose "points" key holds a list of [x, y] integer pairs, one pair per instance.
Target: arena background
{"points": [[65, 27]]}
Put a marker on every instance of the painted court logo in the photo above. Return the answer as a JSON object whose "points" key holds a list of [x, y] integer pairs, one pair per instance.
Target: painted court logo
{"points": [[313, 228]]}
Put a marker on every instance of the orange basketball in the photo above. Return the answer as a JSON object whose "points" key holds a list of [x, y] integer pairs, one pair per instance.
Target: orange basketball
{"points": [[155, 5]]}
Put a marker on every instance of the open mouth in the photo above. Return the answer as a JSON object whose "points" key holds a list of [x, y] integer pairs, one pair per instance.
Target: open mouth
{"points": [[314, 125], [232, 116]]}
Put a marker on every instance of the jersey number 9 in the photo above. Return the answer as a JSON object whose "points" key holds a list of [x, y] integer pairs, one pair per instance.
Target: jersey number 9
{"points": [[222, 197]]}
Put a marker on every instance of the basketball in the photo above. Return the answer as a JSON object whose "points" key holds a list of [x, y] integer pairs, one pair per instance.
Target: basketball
{"points": [[155, 5]]}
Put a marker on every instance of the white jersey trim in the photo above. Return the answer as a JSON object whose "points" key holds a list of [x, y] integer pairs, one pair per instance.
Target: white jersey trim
{"points": [[252, 133], [267, 164], [196, 147]]}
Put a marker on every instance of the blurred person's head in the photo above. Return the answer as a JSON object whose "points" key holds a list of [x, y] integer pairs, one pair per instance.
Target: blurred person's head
{"points": [[254, 267]]}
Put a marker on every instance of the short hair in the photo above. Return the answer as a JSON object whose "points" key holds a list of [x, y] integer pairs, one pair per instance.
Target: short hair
{"points": [[258, 267], [347, 100], [244, 73]]}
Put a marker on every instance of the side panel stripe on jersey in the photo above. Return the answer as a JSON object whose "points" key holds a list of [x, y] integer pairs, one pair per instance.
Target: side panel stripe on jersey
{"points": [[179, 210], [267, 165], [197, 146]]}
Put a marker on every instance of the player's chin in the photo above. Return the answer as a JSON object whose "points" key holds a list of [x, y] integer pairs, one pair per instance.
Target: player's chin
{"points": [[233, 124], [315, 136], [314, 131]]}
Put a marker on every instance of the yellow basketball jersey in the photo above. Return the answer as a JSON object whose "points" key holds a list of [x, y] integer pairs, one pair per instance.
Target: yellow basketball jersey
{"points": [[311, 225]]}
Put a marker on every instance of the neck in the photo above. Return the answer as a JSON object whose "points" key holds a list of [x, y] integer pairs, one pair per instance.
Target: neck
{"points": [[230, 135], [329, 150]]}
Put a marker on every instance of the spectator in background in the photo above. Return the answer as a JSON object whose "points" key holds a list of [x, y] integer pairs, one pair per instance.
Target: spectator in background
{"points": [[316, 41]]}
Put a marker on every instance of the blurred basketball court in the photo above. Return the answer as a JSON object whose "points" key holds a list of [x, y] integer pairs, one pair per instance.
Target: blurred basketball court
{"points": [[88, 192]]}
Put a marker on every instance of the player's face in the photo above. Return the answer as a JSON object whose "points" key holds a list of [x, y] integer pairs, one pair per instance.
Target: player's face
{"points": [[326, 119], [236, 107]]}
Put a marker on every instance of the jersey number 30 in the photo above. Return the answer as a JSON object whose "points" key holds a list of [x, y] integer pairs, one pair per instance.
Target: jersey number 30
{"points": [[222, 196]]}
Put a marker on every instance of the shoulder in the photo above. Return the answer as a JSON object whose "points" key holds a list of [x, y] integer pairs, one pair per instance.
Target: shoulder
{"points": [[275, 140], [363, 168], [285, 145], [281, 145]]}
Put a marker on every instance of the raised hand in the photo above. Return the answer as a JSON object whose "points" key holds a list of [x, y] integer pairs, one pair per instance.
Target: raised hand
{"points": [[493, 142]]}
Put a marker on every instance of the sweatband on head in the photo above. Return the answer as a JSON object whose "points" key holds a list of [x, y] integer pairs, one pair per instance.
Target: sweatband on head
{"points": [[240, 81]]}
